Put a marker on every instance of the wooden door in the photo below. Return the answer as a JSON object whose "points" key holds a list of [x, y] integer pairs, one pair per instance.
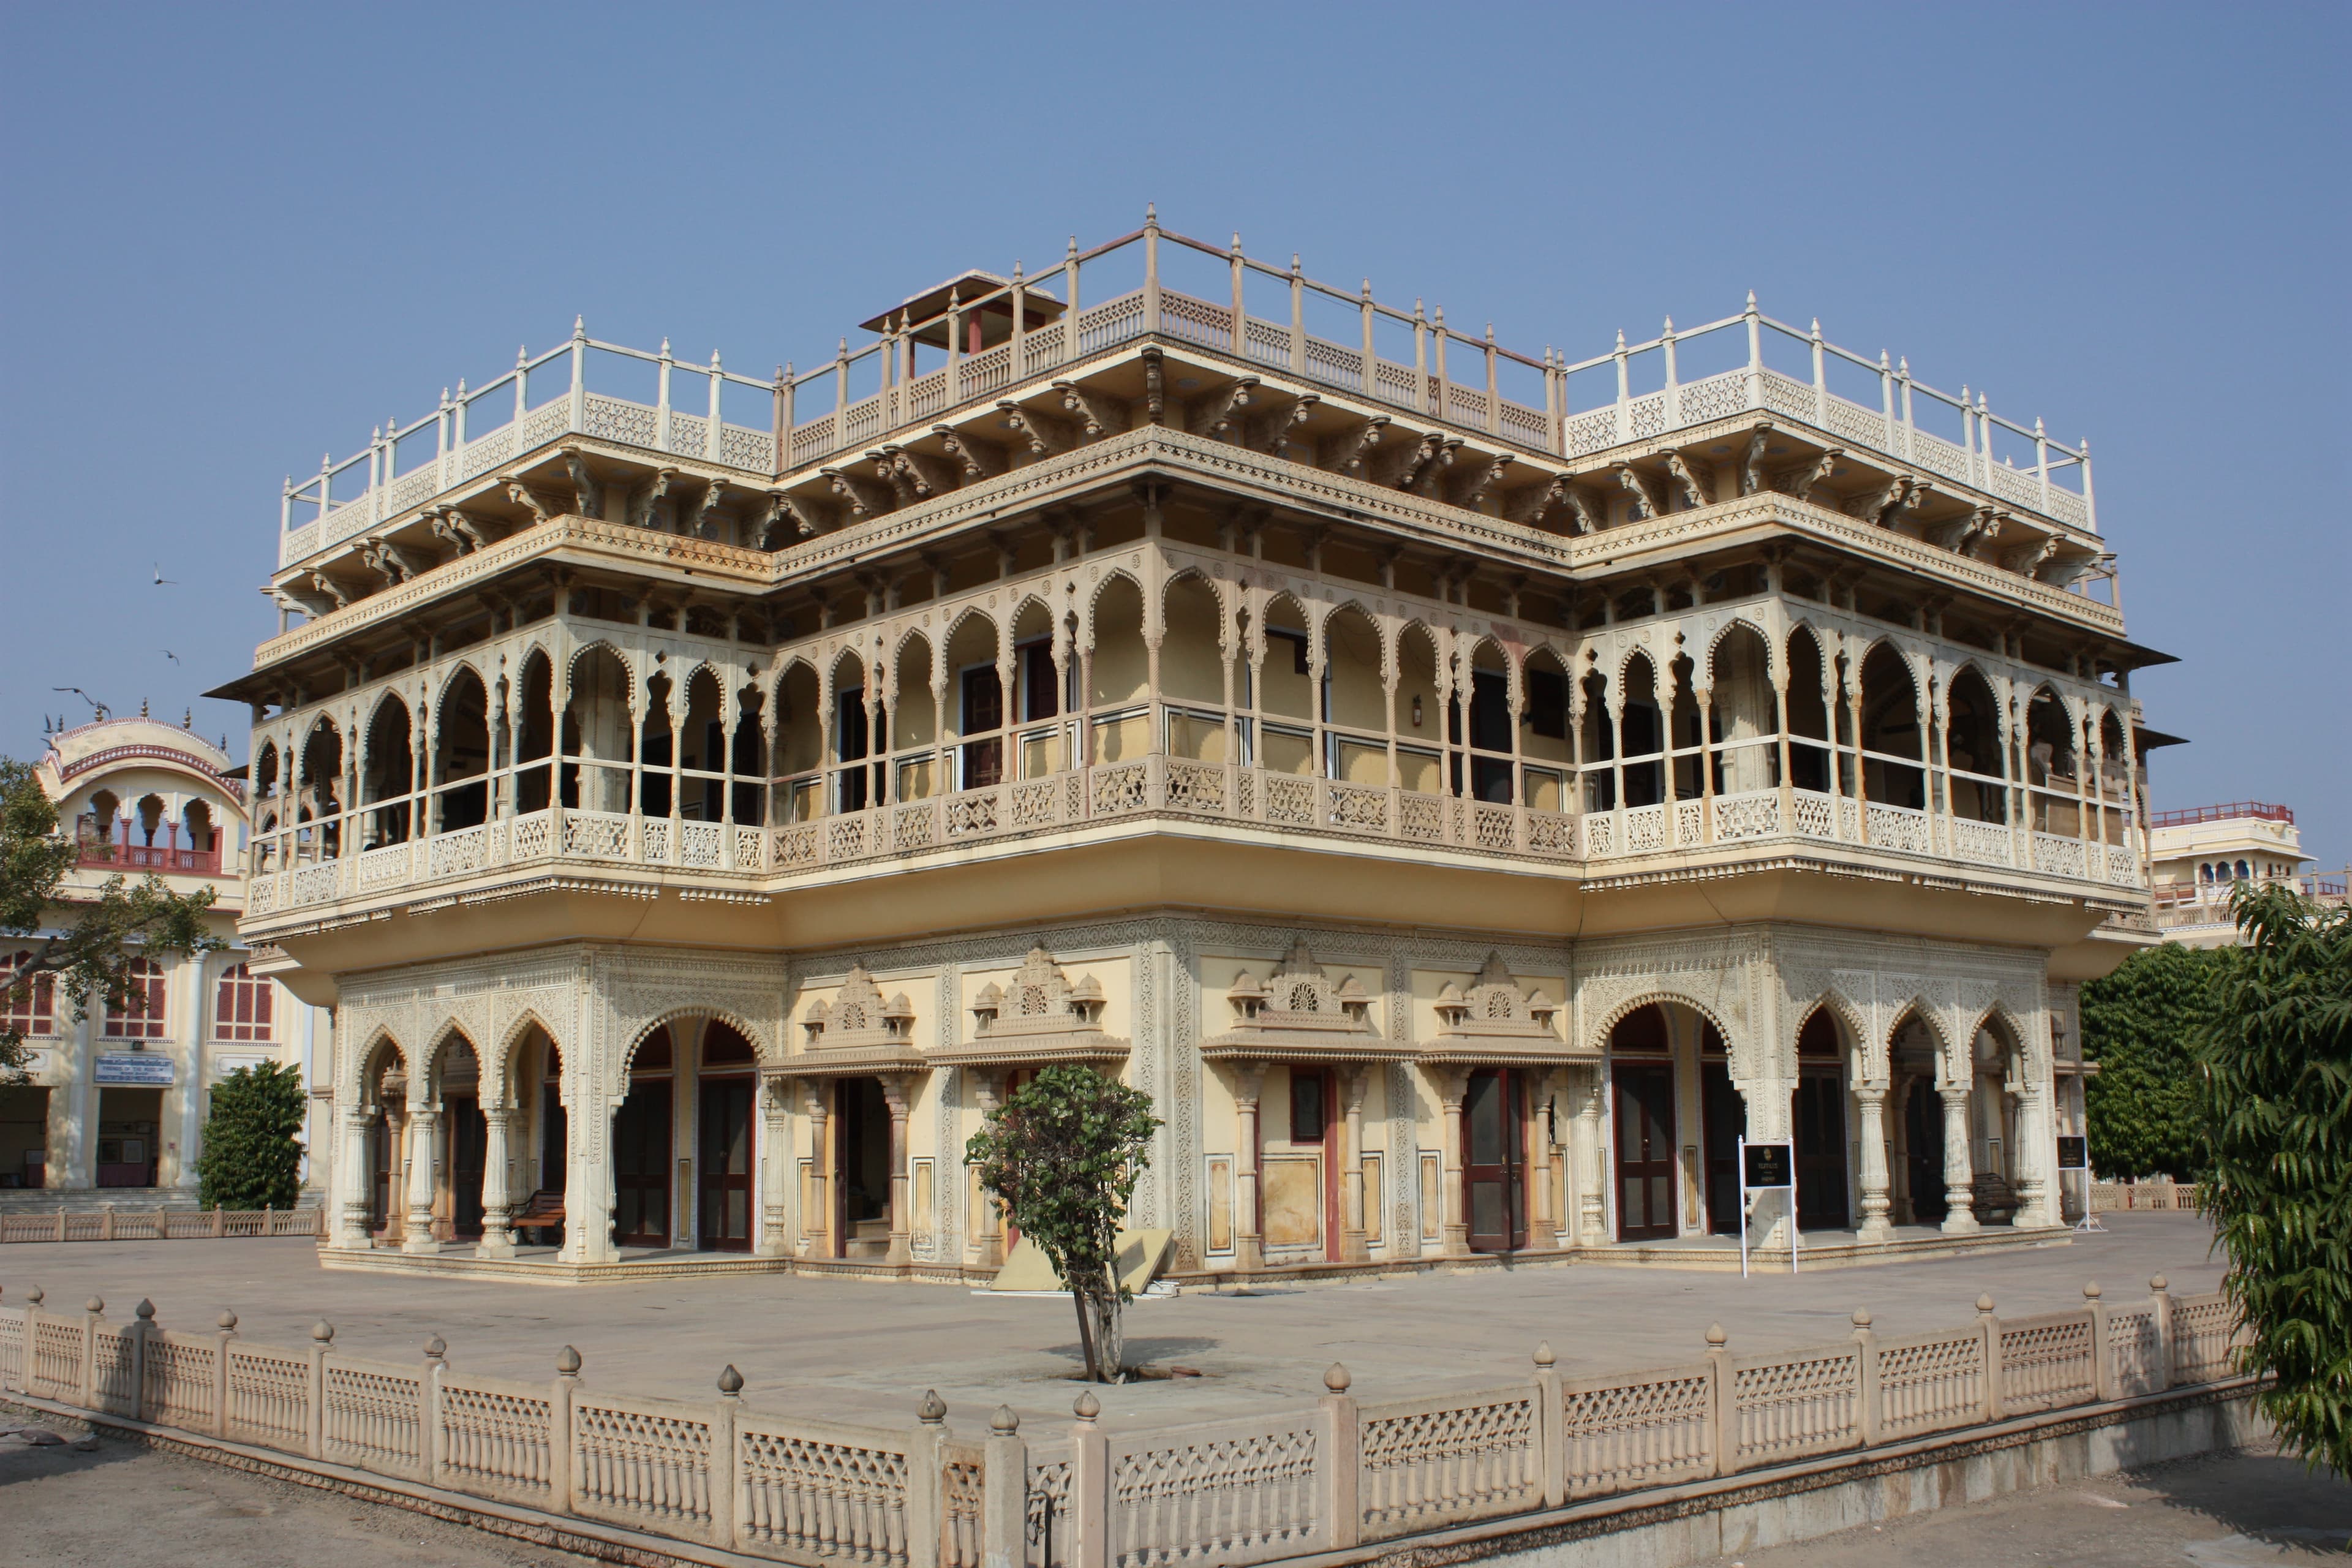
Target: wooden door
{"points": [[641, 1166], [1820, 1150], [1494, 1160], [469, 1138], [1726, 1117], [383, 1138], [1645, 1151], [724, 1131]]}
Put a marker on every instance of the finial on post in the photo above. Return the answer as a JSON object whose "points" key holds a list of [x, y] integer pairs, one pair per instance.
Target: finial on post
{"points": [[322, 1331], [1086, 1406], [1336, 1378], [932, 1410], [1005, 1422], [1716, 1338], [2091, 1292], [1544, 1356], [1984, 1305], [567, 1361], [731, 1382]]}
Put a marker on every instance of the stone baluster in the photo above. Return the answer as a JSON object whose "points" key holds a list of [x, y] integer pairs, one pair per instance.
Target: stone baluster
{"points": [[1453, 1086]]}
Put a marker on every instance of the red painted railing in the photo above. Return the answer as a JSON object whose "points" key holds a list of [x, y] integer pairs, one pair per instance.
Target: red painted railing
{"points": [[142, 857], [2189, 816]]}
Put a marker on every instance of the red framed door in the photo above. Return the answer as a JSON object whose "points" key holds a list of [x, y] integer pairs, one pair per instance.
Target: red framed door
{"points": [[641, 1166], [724, 1169], [1645, 1151], [1494, 1160]]}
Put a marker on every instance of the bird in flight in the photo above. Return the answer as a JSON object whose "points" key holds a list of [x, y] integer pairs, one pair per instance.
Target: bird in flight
{"points": [[167, 653], [161, 579], [85, 696]]}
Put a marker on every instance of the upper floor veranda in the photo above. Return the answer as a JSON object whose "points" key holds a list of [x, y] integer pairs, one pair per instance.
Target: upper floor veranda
{"points": [[964, 389]]}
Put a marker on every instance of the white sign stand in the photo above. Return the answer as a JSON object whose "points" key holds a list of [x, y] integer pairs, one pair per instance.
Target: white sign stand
{"points": [[2089, 1224], [1744, 1201]]}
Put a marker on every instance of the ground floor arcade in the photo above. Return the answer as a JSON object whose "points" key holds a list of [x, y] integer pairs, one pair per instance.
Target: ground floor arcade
{"points": [[1331, 1096]]}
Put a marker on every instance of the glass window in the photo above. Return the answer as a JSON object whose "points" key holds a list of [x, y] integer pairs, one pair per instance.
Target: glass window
{"points": [[142, 1018], [242, 1006], [30, 1005]]}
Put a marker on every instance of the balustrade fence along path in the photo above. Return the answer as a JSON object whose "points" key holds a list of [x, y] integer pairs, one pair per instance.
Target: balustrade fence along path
{"points": [[112, 1224], [793, 1488]]}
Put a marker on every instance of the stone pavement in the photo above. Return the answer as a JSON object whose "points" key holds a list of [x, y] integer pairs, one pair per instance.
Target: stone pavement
{"points": [[2249, 1509], [861, 1350]]}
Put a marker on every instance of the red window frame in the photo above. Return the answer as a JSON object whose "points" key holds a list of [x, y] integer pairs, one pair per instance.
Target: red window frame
{"points": [[148, 1023], [243, 1006], [35, 1011]]}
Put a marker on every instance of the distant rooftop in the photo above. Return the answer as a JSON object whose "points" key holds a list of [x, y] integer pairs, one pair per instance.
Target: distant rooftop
{"points": [[2236, 810]]}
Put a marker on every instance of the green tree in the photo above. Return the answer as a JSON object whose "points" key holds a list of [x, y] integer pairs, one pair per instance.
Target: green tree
{"points": [[2141, 1025], [2276, 1096], [93, 956], [1062, 1155], [251, 1160]]}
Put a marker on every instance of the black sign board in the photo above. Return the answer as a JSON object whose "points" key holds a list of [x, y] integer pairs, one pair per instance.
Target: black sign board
{"points": [[2074, 1154], [1769, 1166]]}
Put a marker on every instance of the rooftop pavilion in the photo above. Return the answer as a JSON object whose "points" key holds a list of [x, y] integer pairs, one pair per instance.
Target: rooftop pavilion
{"points": [[1538, 439]]}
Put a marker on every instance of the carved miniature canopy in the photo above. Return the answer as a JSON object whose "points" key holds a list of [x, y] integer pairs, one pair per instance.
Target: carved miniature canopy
{"points": [[1038, 1017], [857, 1033], [1498, 1021], [1299, 1013]]}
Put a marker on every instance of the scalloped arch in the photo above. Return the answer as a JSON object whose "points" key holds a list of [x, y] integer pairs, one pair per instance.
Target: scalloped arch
{"points": [[1598, 1037]]}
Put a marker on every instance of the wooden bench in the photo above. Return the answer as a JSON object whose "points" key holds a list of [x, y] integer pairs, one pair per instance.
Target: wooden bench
{"points": [[544, 1212]]}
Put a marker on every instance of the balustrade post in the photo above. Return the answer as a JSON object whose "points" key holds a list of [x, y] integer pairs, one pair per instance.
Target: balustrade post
{"points": [[221, 1342], [1886, 404], [1723, 1401], [142, 1326], [1673, 380], [448, 434], [1868, 1410], [1372, 358], [725, 1466], [1755, 352], [1555, 404], [840, 398], [1150, 267], [2090, 503], [1339, 1462], [2159, 1300], [434, 1444], [1442, 384], [1005, 1494], [559, 1447], [661, 397], [1910, 425], [1298, 318], [1070, 317], [926, 1451], [1238, 267], [1552, 1427], [711, 445], [1990, 1327], [1087, 1543], [2103, 1350], [1420, 359], [91, 1318], [314, 1436], [1624, 391], [579, 373]]}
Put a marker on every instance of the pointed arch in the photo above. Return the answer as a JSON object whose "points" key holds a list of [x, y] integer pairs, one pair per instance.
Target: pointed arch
{"points": [[763, 1044], [380, 1049], [1597, 1037], [1918, 1010], [1195, 623]]}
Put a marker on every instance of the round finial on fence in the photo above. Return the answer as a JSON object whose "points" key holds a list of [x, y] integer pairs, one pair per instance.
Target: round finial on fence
{"points": [[730, 1382], [1336, 1378], [1716, 1338], [33, 1295], [567, 1361], [1862, 1317], [2155, 1283], [322, 1331], [436, 1348], [2091, 1292], [1543, 1354], [1005, 1422], [145, 1311], [1088, 1406], [228, 1322], [932, 1410], [94, 1306], [1984, 1304]]}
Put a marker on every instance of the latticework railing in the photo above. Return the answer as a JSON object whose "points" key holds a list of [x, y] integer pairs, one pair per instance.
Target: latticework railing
{"points": [[1224, 1494], [157, 1225]]}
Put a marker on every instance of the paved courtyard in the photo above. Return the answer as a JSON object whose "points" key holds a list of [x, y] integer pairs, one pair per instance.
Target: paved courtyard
{"points": [[863, 1351]]}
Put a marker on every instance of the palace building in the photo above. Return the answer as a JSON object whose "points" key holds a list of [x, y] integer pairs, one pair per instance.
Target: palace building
{"points": [[114, 1104], [1469, 790]]}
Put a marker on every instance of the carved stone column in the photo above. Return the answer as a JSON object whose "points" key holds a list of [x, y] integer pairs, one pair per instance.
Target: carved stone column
{"points": [[988, 1227], [1592, 1159], [354, 1174], [816, 1219], [1249, 1249], [1452, 1083], [776, 1167], [1876, 1198], [1959, 1165], [417, 1232], [1544, 1227], [894, 1095], [2030, 1151], [497, 1198], [1353, 1245]]}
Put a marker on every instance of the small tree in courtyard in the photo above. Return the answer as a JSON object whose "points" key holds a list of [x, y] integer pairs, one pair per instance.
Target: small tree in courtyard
{"points": [[2276, 1102], [1062, 1155], [2141, 1025], [251, 1160], [94, 954]]}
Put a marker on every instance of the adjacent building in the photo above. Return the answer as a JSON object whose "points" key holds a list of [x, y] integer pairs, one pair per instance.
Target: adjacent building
{"points": [[2199, 854], [115, 1103], [1470, 791]]}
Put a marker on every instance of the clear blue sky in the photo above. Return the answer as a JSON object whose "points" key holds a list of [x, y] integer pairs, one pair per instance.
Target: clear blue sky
{"points": [[239, 236]]}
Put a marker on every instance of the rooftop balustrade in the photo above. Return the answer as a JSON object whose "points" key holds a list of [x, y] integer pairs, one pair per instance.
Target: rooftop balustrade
{"points": [[1407, 360]]}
